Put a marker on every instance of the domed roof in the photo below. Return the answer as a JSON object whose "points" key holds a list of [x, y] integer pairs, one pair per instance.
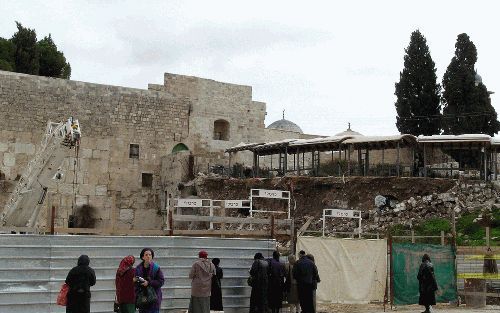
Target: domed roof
{"points": [[286, 125], [348, 132]]}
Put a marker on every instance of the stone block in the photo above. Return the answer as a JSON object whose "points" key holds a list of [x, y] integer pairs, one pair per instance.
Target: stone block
{"points": [[126, 215], [9, 159], [102, 144], [96, 154], [101, 190], [26, 148], [4, 146], [81, 200], [86, 153], [65, 189], [86, 190]]}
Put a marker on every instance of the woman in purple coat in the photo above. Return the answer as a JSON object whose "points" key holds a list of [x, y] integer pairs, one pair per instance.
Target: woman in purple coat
{"points": [[151, 274]]}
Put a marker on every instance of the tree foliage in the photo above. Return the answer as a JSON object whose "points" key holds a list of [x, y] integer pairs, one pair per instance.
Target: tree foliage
{"points": [[23, 54], [52, 62], [26, 57], [466, 102], [417, 105], [7, 53]]}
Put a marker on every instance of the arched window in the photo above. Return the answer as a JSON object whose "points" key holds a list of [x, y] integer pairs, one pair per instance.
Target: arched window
{"points": [[221, 130], [179, 147]]}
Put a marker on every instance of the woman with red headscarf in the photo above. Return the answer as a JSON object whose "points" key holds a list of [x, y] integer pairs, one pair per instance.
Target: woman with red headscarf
{"points": [[124, 282], [201, 284]]}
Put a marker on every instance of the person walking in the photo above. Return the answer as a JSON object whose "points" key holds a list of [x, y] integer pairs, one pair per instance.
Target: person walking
{"points": [[259, 275], [201, 284], [276, 282], [148, 273], [292, 296], [125, 287], [316, 280], [216, 293], [427, 284], [79, 280], [305, 272]]}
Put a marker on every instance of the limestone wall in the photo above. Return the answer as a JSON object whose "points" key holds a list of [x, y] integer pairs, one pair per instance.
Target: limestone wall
{"points": [[212, 101], [111, 119]]}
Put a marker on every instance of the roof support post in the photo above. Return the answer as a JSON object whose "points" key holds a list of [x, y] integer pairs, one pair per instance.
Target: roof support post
{"points": [[495, 161], [397, 161], [230, 156], [254, 164], [285, 165], [485, 162], [298, 161], [367, 161], [313, 162], [425, 160], [383, 161], [360, 163], [348, 160], [317, 163], [258, 165]]}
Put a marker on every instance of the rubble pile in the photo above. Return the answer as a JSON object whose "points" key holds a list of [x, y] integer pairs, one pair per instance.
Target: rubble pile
{"points": [[463, 198]]}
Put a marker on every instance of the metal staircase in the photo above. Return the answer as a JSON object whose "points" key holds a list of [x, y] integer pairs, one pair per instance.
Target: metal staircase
{"points": [[24, 205]]}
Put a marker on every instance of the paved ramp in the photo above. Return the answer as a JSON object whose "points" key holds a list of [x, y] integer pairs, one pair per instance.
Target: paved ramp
{"points": [[33, 267]]}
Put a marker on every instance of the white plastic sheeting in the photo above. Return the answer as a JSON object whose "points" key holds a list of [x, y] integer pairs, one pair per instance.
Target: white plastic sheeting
{"points": [[351, 270]]}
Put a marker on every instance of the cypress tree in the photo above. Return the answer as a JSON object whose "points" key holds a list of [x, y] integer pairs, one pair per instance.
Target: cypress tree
{"points": [[417, 104], [466, 102], [26, 55]]}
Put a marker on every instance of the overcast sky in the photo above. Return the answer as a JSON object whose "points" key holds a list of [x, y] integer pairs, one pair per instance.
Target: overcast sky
{"points": [[326, 63]]}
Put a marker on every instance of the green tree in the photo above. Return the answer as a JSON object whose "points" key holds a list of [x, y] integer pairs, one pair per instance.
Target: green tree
{"points": [[7, 52], [466, 102], [417, 105], [26, 56], [52, 62]]}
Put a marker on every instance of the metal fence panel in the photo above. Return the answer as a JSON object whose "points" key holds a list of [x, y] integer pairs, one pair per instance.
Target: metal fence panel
{"points": [[33, 267]]}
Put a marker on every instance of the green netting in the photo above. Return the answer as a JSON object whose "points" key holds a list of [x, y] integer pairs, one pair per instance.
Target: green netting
{"points": [[406, 259]]}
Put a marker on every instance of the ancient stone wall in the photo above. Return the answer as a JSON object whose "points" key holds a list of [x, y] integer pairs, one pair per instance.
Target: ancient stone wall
{"points": [[213, 101], [112, 118]]}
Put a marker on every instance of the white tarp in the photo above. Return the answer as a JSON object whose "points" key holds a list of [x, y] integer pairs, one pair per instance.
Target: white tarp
{"points": [[351, 270]]}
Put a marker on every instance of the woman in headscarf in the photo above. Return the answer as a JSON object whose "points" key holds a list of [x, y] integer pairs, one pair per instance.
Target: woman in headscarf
{"points": [[124, 282], [79, 280], [276, 282], [259, 274], [427, 284], [149, 274], [201, 284], [216, 296], [292, 295]]}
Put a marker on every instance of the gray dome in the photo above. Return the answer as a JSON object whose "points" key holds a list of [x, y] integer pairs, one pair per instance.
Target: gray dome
{"points": [[286, 125], [478, 79], [348, 132]]}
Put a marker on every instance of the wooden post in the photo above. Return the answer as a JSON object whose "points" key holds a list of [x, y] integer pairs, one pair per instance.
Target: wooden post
{"points": [[286, 162], [298, 161], [412, 236], [383, 161], [442, 237], [52, 219], [348, 160], [391, 271], [488, 237], [170, 223]]}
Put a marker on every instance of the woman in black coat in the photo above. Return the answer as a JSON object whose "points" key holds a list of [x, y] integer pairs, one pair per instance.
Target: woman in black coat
{"points": [[79, 280], [216, 294], [427, 284]]}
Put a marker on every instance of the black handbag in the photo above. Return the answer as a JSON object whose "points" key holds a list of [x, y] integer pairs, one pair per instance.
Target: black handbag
{"points": [[116, 308], [145, 297]]}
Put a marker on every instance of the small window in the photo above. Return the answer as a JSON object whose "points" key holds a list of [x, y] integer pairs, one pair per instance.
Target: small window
{"points": [[221, 130], [147, 180], [134, 151]]}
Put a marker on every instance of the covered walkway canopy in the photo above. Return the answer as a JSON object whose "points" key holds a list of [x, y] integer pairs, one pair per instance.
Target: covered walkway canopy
{"points": [[479, 144], [342, 144]]}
